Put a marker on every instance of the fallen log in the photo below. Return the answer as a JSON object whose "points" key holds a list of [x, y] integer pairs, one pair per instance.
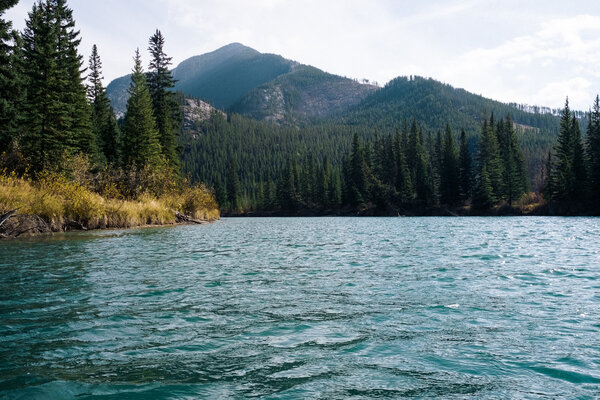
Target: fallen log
{"points": [[179, 217]]}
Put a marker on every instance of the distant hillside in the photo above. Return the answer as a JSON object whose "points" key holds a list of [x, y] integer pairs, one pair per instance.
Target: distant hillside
{"points": [[434, 104], [304, 93]]}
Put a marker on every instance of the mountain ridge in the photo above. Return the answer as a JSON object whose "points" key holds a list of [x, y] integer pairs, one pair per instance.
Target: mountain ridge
{"points": [[234, 76]]}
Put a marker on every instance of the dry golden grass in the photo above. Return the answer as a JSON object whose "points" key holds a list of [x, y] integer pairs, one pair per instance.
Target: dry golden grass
{"points": [[58, 200], [530, 202]]}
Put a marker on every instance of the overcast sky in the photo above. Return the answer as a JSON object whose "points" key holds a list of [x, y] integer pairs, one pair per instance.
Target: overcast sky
{"points": [[534, 52]]}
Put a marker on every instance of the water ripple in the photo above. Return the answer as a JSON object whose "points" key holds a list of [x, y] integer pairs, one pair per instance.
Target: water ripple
{"points": [[306, 308]]}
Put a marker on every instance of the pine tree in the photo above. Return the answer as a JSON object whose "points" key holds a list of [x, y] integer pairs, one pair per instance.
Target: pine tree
{"points": [[358, 184], [57, 116], [234, 192], [593, 154], [484, 198], [402, 183], [220, 194], [335, 189], [465, 165], [140, 145], [489, 156], [271, 195], [433, 172], [80, 136], [104, 122], [259, 204], [287, 193], [322, 184], [568, 173], [418, 166], [549, 190], [11, 85], [450, 174], [437, 153], [166, 108], [45, 112], [579, 163], [514, 176]]}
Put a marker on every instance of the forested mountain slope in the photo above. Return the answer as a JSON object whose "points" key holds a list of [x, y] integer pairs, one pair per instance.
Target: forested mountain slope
{"points": [[304, 94]]}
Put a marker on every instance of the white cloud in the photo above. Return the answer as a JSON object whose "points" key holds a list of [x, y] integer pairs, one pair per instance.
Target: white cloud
{"points": [[560, 59], [504, 49]]}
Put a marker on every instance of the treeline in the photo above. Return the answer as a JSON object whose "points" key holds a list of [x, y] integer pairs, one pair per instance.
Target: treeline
{"points": [[411, 169], [573, 168], [56, 121]]}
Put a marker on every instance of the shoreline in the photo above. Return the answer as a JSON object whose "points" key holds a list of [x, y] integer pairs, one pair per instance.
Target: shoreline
{"points": [[20, 226], [541, 210]]}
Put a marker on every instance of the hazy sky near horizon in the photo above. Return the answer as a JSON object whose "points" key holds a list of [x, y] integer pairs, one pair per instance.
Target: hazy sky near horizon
{"points": [[535, 52]]}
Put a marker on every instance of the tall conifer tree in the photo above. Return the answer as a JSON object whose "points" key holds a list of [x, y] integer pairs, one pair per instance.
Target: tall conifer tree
{"points": [[140, 144], [233, 187], [80, 134], [11, 87], [466, 169], [450, 173], [593, 153], [104, 122], [563, 174], [45, 114], [489, 155], [514, 172], [57, 116], [166, 109]]}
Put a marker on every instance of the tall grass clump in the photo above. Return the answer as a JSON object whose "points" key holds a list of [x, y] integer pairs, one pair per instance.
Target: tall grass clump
{"points": [[60, 200]]}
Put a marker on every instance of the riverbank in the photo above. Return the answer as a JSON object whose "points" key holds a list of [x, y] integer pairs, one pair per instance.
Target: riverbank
{"points": [[58, 205], [531, 205]]}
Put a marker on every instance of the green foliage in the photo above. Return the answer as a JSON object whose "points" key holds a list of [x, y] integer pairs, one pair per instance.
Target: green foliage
{"points": [[465, 168], [514, 178], [489, 156], [568, 174], [56, 116], [140, 143], [165, 107], [11, 87], [233, 188], [436, 105], [593, 154], [484, 197], [450, 171], [104, 122]]}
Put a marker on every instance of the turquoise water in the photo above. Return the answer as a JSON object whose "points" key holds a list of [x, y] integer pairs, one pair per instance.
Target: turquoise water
{"points": [[482, 308]]}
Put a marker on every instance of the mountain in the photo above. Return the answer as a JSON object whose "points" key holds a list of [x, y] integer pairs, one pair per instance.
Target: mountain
{"points": [[260, 86], [225, 75], [221, 77], [302, 94]]}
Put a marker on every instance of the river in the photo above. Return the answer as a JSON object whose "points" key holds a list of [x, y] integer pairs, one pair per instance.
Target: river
{"points": [[286, 308]]}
